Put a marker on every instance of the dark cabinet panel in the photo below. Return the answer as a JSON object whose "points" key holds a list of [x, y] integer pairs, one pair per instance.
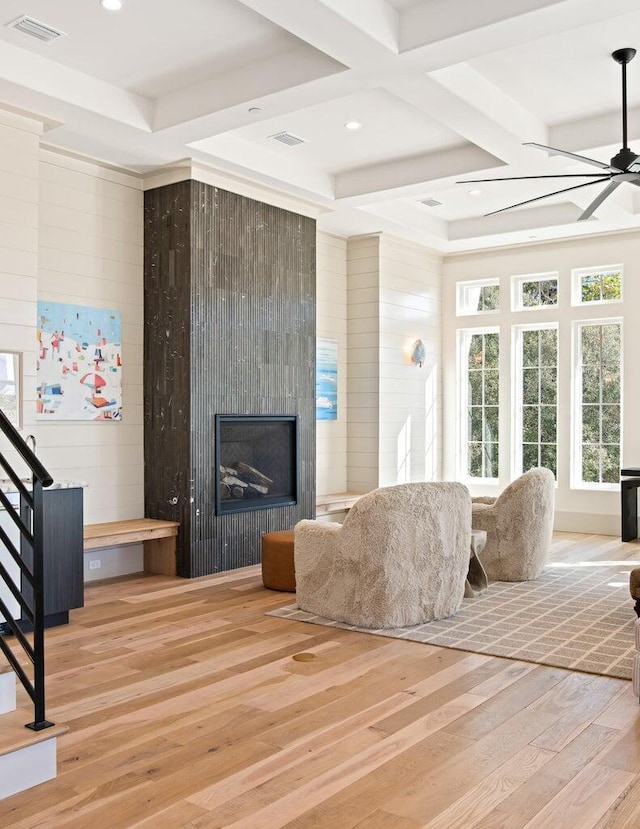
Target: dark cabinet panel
{"points": [[63, 549]]}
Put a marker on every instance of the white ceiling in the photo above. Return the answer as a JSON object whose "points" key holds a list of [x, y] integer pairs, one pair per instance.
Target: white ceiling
{"points": [[444, 89]]}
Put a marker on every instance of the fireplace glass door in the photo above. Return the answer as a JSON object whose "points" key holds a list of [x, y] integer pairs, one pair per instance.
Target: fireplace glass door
{"points": [[257, 462]]}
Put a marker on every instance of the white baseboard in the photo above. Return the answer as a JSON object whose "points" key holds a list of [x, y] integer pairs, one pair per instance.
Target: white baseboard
{"points": [[586, 522], [114, 561]]}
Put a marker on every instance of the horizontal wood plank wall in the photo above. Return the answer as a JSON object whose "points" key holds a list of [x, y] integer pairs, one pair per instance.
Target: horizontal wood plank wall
{"points": [[363, 331], [230, 329], [394, 414], [331, 322], [19, 148], [410, 396], [90, 253]]}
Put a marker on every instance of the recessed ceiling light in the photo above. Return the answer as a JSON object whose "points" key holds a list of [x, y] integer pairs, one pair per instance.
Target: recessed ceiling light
{"points": [[474, 192], [111, 5], [353, 125]]}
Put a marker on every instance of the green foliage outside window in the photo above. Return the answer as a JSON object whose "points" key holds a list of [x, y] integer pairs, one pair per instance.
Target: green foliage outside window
{"points": [[489, 299], [601, 287], [600, 405], [539, 398], [482, 405], [539, 292]]}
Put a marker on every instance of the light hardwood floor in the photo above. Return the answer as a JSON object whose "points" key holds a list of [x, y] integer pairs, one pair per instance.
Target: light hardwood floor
{"points": [[188, 709]]}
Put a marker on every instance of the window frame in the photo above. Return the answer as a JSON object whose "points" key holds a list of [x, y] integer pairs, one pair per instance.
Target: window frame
{"points": [[462, 308], [576, 482], [518, 281], [517, 330], [17, 383], [463, 339], [576, 285]]}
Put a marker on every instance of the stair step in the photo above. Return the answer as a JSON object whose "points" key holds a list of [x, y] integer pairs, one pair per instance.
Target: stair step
{"points": [[7, 691], [27, 757]]}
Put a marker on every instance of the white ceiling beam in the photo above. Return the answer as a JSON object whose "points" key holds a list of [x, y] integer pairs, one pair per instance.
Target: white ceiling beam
{"points": [[514, 221], [442, 20], [253, 158], [358, 34], [408, 176], [376, 18], [472, 121], [442, 33], [232, 92], [45, 76]]}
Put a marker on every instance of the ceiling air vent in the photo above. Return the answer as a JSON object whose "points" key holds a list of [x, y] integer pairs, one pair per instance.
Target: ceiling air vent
{"points": [[29, 26], [288, 138], [430, 202]]}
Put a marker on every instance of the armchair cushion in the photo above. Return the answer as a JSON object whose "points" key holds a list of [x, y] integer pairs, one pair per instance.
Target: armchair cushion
{"points": [[399, 559], [519, 525]]}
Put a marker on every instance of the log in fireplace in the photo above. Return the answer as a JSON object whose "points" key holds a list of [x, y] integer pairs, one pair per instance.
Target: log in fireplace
{"points": [[257, 464]]}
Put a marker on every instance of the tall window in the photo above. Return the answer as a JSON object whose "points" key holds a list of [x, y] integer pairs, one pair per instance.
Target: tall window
{"points": [[598, 395], [479, 361], [536, 397]]}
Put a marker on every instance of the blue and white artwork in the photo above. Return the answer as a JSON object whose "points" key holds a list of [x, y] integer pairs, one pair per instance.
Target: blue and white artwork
{"points": [[79, 367], [326, 379]]}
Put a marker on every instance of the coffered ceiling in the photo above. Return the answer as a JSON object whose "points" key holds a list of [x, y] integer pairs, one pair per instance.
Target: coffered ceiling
{"points": [[443, 89]]}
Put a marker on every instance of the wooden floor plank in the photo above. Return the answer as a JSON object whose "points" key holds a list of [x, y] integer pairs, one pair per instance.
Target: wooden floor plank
{"points": [[187, 709]]}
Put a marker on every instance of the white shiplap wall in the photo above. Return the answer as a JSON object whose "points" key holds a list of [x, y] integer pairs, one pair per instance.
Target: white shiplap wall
{"points": [[363, 333], [410, 396], [331, 322], [19, 174], [394, 298], [72, 231], [90, 253]]}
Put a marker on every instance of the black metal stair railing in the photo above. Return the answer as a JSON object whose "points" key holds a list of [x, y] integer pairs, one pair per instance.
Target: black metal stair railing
{"points": [[29, 522]]}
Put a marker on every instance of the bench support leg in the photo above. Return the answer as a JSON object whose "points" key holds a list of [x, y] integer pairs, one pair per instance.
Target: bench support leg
{"points": [[160, 556], [629, 508]]}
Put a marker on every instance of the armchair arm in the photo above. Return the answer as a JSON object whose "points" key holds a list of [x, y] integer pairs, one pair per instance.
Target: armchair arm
{"points": [[315, 541]]}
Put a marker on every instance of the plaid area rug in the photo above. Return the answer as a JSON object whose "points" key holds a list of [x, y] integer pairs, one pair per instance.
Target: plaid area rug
{"points": [[571, 617]]}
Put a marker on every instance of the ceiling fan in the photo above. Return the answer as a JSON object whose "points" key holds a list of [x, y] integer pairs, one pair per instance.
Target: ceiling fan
{"points": [[625, 166]]}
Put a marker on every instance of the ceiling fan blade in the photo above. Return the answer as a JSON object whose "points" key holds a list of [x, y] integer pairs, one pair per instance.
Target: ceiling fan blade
{"points": [[573, 156], [635, 167], [547, 195], [595, 204], [524, 178]]}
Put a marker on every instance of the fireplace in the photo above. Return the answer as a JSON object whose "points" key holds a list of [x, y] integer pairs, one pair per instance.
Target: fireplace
{"points": [[257, 463]]}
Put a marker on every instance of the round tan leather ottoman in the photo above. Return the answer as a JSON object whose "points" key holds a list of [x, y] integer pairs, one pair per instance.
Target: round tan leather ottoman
{"points": [[278, 572]]}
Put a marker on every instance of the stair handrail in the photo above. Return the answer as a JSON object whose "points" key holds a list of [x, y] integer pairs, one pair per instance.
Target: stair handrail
{"points": [[30, 526]]}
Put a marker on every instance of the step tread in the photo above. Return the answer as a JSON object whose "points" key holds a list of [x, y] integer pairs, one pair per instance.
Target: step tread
{"points": [[14, 735]]}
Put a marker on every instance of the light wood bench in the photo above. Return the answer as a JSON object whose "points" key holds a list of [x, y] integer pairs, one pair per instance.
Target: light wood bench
{"points": [[158, 537], [336, 502]]}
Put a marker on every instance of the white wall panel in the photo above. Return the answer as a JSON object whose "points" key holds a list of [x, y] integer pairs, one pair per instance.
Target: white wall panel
{"points": [[331, 323]]}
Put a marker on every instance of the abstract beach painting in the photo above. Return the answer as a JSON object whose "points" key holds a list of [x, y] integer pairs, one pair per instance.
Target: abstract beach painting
{"points": [[79, 368], [326, 379]]}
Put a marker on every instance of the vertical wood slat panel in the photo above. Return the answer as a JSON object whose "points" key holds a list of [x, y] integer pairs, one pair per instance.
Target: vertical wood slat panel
{"points": [[229, 329]]}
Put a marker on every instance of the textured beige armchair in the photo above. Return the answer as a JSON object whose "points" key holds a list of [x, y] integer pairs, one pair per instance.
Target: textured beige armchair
{"points": [[519, 524], [400, 558]]}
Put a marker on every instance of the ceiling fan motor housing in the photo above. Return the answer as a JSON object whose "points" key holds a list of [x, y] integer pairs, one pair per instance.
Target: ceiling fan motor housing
{"points": [[624, 159]]}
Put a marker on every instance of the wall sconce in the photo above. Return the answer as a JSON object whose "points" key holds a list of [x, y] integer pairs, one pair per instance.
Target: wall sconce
{"points": [[418, 354]]}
